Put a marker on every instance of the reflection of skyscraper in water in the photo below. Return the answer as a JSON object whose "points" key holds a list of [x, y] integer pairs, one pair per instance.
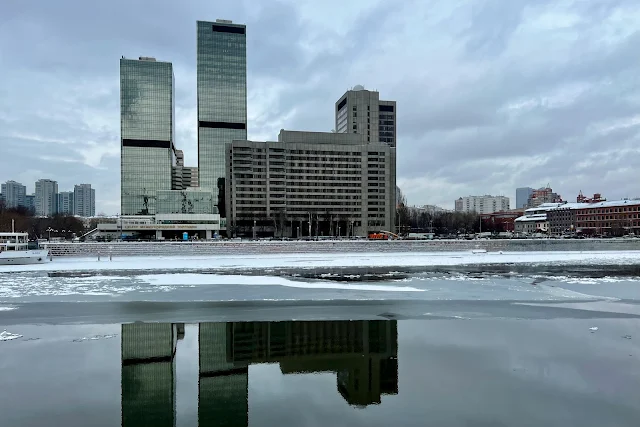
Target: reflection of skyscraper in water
{"points": [[362, 353], [148, 380], [223, 383]]}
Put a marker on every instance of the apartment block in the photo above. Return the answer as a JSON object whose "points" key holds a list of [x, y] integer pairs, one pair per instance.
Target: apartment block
{"points": [[482, 204]]}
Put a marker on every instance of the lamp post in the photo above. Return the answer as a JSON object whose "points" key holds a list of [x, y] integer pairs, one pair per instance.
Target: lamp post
{"points": [[49, 230]]}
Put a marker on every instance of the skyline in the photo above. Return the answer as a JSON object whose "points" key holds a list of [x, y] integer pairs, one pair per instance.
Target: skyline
{"points": [[490, 104]]}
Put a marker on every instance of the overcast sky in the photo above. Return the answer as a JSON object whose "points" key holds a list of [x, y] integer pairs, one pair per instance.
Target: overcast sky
{"points": [[492, 94]]}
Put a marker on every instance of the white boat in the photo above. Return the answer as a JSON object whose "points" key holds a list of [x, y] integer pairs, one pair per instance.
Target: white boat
{"points": [[14, 250]]}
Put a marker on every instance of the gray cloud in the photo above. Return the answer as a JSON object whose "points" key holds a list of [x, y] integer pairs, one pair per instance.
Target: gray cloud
{"points": [[491, 95]]}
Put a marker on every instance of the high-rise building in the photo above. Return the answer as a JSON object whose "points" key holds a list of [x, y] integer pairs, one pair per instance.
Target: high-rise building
{"points": [[84, 200], [65, 203], [522, 196], [361, 111], [222, 99], [147, 132], [543, 195], [46, 197], [183, 177], [13, 194], [482, 204], [30, 202]]}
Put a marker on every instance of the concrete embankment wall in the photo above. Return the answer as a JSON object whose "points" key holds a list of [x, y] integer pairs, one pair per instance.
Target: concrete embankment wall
{"points": [[292, 247]]}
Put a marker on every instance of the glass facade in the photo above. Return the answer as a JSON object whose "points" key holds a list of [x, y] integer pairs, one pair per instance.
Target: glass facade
{"points": [[147, 131], [222, 99], [185, 202]]}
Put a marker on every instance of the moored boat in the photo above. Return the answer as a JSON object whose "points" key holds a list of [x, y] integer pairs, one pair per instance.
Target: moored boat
{"points": [[14, 250]]}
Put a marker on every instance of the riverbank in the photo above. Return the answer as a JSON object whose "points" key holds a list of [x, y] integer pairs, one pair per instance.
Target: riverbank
{"points": [[226, 247]]}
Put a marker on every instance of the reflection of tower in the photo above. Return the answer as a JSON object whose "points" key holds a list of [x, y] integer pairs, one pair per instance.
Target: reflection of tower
{"points": [[223, 384], [148, 380]]}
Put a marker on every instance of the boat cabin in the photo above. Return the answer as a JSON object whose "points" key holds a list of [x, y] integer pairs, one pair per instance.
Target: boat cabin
{"points": [[14, 241]]}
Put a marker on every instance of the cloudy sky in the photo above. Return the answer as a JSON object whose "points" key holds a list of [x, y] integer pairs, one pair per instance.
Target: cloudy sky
{"points": [[492, 94]]}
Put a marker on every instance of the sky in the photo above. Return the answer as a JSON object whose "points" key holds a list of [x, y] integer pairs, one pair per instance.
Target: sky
{"points": [[491, 94]]}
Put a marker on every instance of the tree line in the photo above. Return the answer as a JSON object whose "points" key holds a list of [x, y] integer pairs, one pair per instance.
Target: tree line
{"points": [[24, 220]]}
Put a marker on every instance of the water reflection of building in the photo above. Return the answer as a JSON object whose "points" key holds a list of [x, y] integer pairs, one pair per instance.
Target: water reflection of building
{"points": [[148, 379], [363, 354]]}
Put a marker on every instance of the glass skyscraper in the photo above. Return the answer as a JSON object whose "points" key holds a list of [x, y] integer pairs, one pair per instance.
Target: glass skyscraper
{"points": [[147, 112], [222, 99]]}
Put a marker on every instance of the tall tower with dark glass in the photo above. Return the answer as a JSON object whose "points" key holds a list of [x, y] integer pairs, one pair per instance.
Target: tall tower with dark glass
{"points": [[222, 99], [147, 133]]}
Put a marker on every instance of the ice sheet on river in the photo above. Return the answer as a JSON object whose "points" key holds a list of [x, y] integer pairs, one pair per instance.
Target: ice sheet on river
{"points": [[310, 261]]}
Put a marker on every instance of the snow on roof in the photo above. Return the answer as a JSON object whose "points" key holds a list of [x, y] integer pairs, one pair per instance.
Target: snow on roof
{"points": [[608, 204], [536, 217]]}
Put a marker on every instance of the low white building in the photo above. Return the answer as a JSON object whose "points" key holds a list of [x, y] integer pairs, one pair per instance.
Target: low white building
{"points": [[162, 227], [532, 224]]}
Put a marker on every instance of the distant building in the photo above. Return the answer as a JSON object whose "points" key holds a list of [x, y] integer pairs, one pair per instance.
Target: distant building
{"points": [[429, 209], [613, 218], [482, 204], [13, 194], [84, 200], [522, 196], [543, 195], [361, 111], [65, 203], [30, 202], [46, 197], [183, 177], [597, 197], [504, 219]]}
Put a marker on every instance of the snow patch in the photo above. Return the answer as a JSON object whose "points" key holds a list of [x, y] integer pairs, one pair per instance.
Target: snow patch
{"points": [[8, 308], [191, 279], [7, 336]]}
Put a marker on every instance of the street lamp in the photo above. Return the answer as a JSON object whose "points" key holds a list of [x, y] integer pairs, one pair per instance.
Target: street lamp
{"points": [[49, 230]]}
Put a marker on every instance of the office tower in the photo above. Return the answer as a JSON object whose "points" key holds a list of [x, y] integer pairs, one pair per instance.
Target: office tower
{"points": [[84, 201], [482, 204], [46, 197], [522, 196], [222, 99], [65, 203], [314, 184], [13, 194], [147, 132], [362, 112]]}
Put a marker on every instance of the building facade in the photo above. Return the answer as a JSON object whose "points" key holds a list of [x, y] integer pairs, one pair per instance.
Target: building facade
{"points": [[311, 184], [147, 132], [84, 200], [522, 196], [30, 202], [361, 111], [503, 220], [46, 197], [482, 204], [183, 177], [543, 195], [609, 218], [13, 194], [222, 99], [65, 203]]}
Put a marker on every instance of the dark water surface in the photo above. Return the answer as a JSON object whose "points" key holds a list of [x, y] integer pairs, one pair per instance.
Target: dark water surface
{"points": [[497, 371]]}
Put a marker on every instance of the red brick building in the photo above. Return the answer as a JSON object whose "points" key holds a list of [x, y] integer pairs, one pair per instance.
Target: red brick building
{"points": [[504, 220], [603, 218]]}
